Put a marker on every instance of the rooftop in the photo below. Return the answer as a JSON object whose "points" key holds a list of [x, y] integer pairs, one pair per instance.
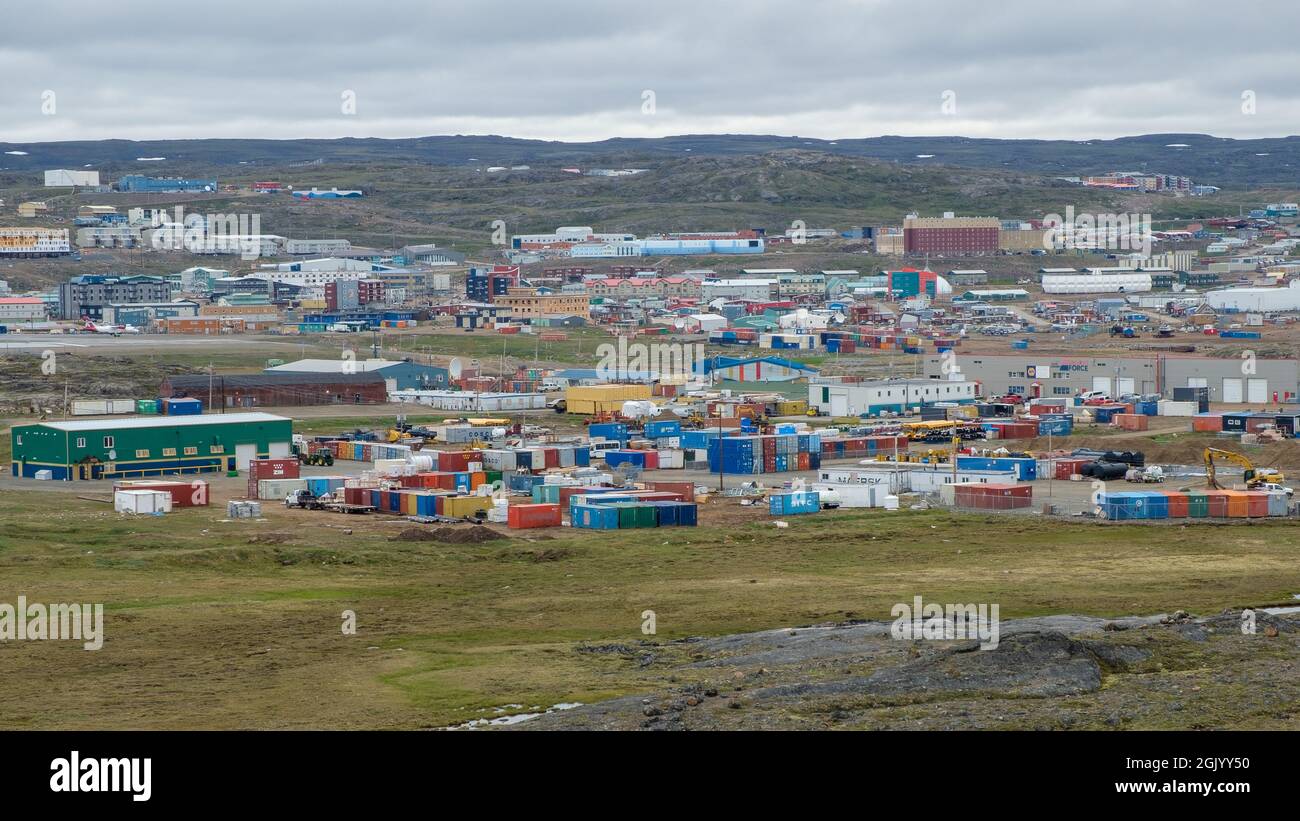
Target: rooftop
{"points": [[164, 421]]}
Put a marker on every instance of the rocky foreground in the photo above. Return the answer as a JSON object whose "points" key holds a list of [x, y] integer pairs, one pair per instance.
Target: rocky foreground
{"points": [[1051, 673]]}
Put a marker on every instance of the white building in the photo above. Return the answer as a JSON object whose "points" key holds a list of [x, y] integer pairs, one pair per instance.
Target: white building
{"points": [[63, 178], [1264, 300], [893, 396], [733, 289], [1123, 283], [300, 247], [21, 309]]}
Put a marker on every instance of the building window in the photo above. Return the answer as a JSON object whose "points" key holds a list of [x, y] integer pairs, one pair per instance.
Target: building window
{"points": [[81, 441], [108, 441], [142, 454], [169, 451], [1059, 391], [217, 449], [191, 451]]}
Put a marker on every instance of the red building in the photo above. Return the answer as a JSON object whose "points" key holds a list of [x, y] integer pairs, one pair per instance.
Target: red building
{"points": [[951, 235]]}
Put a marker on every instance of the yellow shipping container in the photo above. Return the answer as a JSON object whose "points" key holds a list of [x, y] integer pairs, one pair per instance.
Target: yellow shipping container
{"points": [[466, 505], [794, 407], [594, 399], [607, 393], [313, 305]]}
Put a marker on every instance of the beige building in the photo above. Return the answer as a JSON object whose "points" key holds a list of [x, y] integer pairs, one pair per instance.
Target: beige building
{"points": [[530, 303], [1027, 239], [644, 287]]}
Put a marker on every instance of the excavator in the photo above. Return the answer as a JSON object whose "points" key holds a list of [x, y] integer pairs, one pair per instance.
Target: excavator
{"points": [[1252, 476]]}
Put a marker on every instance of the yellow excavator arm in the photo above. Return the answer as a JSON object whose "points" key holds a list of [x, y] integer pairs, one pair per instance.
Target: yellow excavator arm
{"points": [[1248, 468]]}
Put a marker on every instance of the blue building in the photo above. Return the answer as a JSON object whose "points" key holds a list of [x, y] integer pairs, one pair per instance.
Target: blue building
{"points": [[398, 374], [138, 183]]}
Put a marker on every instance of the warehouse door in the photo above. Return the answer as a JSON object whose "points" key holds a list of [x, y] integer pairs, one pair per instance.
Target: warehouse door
{"points": [[1256, 390], [279, 450], [1231, 389], [1198, 382], [243, 455], [1125, 385], [839, 406], [1101, 383]]}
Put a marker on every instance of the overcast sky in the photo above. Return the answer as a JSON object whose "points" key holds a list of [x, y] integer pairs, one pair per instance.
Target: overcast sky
{"points": [[579, 69]]}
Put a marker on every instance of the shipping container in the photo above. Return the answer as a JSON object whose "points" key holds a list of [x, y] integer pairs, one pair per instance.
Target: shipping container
{"points": [[530, 516]]}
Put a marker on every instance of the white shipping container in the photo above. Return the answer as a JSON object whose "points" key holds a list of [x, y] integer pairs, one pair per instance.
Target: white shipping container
{"points": [[852, 495], [503, 460], [142, 501], [672, 459], [390, 467], [1168, 407], [277, 489]]}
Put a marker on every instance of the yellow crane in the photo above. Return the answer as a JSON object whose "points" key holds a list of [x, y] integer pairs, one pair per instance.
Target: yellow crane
{"points": [[1251, 475]]}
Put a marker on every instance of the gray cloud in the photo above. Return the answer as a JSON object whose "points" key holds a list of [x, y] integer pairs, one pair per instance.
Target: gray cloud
{"points": [[562, 69]]}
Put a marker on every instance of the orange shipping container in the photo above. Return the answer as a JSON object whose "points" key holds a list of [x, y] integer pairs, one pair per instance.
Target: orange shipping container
{"points": [[1131, 421], [1207, 423], [520, 516], [1179, 504], [1238, 504]]}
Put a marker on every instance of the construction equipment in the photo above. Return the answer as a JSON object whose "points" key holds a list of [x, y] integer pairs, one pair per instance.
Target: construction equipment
{"points": [[1251, 475], [1150, 474], [321, 458]]}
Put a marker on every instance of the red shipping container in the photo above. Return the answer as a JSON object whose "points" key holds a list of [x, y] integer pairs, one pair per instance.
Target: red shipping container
{"points": [[356, 495], [452, 461], [273, 468], [685, 489], [652, 460], [552, 457], [656, 496], [1179, 504], [1256, 504], [1208, 423], [1216, 503], [184, 494], [521, 516]]}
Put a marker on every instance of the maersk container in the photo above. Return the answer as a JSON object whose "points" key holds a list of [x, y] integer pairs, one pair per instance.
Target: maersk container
{"points": [[790, 504], [663, 428], [1025, 467], [581, 456], [1055, 427], [636, 458], [616, 431]]}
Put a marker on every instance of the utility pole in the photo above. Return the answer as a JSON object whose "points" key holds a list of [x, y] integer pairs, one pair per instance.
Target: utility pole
{"points": [[721, 466], [209, 387]]}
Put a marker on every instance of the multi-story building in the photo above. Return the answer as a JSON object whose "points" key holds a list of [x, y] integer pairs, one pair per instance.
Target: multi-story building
{"points": [[430, 254], [315, 247], [138, 183], [635, 287], [21, 309], [788, 285], [110, 236], [532, 303], [88, 295], [34, 242], [564, 238], [486, 284], [951, 234], [737, 289]]}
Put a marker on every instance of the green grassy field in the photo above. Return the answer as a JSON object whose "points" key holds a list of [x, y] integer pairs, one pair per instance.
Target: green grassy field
{"points": [[237, 624]]}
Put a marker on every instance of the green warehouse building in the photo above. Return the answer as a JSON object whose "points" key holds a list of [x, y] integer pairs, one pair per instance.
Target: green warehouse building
{"points": [[152, 446]]}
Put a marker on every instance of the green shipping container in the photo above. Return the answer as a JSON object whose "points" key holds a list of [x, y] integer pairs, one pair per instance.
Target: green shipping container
{"points": [[631, 514], [1198, 505], [146, 406]]}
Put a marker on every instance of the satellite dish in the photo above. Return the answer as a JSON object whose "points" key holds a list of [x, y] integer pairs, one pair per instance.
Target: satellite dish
{"points": [[456, 368], [112, 453]]}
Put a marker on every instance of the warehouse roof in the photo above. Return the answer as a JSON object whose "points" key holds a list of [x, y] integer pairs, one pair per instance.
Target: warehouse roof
{"points": [[334, 366], [166, 421], [261, 380]]}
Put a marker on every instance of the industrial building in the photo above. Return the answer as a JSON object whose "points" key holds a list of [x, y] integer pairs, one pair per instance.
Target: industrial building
{"points": [[1053, 375], [63, 177], [397, 374], [147, 446], [1264, 300], [1090, 283], [316, 247], [889, 395], [759, 369], [666, 247], [138, 183], [332, 194], [279, 389], [141, 313], [89, 294]]}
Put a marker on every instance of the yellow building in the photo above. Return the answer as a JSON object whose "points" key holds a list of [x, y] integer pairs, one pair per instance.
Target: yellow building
{"points": [[530, 303], [1020, 240]]}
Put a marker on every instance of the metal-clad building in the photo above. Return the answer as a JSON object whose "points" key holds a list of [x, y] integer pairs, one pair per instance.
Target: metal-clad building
{"points": [[279, 389], [1053, 375], [892, 395], [148, 446], [398, 374]]}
